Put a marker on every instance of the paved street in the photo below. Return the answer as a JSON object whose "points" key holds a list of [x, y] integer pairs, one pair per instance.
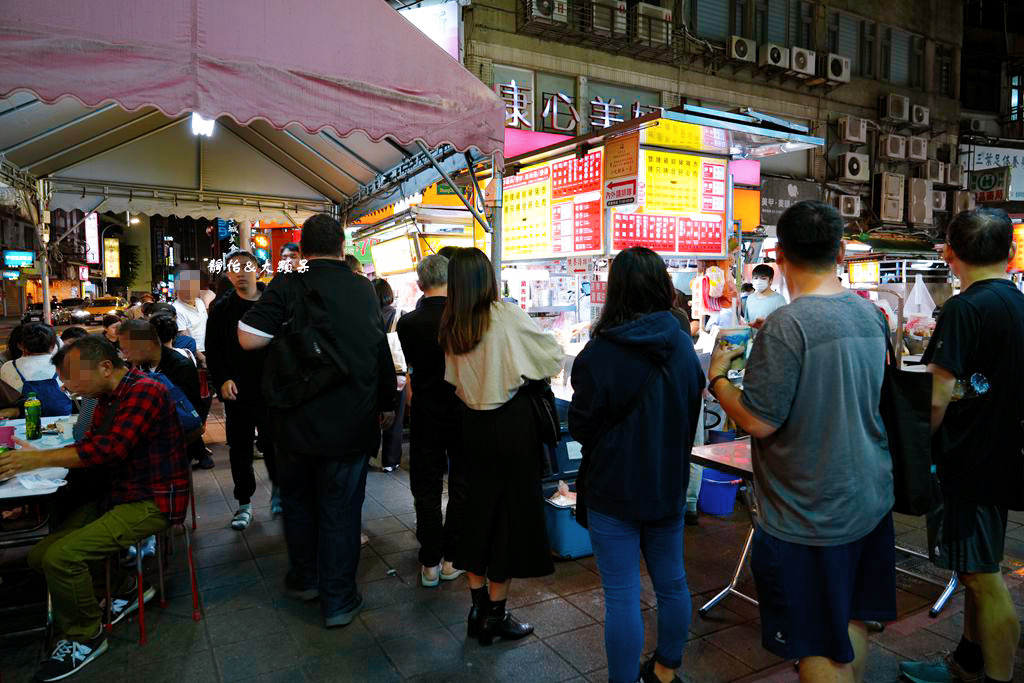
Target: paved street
{"points": [[251, 632]]}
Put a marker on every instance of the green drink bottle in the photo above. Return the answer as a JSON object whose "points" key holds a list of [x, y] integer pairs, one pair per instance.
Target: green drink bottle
{"points": [[33, 418]]}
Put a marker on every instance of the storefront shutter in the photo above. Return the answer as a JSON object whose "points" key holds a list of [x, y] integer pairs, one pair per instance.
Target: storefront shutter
{"points": [[713, 19], [775, 22]]}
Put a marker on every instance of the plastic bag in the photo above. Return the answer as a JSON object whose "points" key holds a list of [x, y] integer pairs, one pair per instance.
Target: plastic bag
{"points": [[563, 497], [920, 303]]}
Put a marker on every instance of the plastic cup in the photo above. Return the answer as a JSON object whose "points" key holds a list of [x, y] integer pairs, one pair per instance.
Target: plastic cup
{"points": [[7, 437], [736, 336]]}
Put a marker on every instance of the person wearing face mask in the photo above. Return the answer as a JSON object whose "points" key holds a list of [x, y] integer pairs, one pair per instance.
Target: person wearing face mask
{"points": [[764, 300]]}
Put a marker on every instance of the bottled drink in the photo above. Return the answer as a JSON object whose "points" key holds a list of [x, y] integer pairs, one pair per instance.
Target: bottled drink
{"points": [[33, 418]]}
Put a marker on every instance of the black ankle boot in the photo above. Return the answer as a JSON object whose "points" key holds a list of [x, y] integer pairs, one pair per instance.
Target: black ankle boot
{"points": [[647, 674], [478, 611], [499, 623]]}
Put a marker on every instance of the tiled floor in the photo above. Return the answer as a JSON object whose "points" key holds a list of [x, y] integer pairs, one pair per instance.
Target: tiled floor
{"points": [[250, 632]]}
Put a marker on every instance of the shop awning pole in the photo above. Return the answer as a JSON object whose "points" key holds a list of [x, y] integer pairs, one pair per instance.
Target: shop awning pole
{"points": [[496, 236], [477, 196], [448, 179], [43, 251]]}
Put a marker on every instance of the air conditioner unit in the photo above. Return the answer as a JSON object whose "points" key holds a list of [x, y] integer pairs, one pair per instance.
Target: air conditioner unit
{"points": [[920, 116], [653, 24], [888, 197], [742, 49], [972, 125], [836, 68], [938, 200], [917, 149], [609, 17], [933, 171], [919, 201], [554, 11], [893, 147], [955, 175], [854, 168], [848, 205], [853, 130], [963, 201], [773, 55], [894, 108], [801, 62]]}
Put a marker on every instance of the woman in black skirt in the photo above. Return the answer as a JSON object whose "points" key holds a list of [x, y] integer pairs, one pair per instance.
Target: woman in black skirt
{"points": [[491, 349]]}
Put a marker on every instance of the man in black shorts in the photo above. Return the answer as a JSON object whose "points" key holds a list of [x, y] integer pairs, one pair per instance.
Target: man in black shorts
{"points": [[823, 553], [976, 357]]}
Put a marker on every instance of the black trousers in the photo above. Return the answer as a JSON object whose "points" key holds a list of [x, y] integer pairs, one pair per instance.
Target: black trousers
{"points": [[323, 508], [435, 447], [241, 422], [391, 438]]}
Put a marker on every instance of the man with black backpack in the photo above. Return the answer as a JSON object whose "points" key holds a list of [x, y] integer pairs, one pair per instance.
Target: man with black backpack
{"points": [[976, 358], [330, 381]]}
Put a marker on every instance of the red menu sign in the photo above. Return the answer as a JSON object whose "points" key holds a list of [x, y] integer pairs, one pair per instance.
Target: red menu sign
{"points": [[576, 226], [576, 176], [702, 235], [598, 292], [642, 230], [712, 193]]}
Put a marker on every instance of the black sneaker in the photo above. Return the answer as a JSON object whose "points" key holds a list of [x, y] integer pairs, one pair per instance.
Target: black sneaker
{"points": [[204, 463], [70, 656], [127, 602]]}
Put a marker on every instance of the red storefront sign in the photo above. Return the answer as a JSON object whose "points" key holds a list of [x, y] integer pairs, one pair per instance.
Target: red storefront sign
{"points": [[642, 230], [576, 176]]}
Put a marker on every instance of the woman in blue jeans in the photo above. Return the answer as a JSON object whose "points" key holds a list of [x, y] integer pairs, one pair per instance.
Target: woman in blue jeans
{"points": [[638, 387]]}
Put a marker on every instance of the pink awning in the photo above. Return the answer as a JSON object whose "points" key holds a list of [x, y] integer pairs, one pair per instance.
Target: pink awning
{"points": [[345, 65]]}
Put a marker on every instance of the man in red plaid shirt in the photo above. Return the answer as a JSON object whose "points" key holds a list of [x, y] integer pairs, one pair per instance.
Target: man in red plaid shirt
{"points": [[136, 436]]}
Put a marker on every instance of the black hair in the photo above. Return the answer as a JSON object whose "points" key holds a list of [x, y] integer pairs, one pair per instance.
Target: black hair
{"points": [[981, 237], [166, 326], [163, 307], [447, 251], [322, 236], [92, 347], [14, 343], [133, 300], [73, 333], [223, 286], [38, 338], [291, 246], [110, 319], [184, 266], [385, 295], [763, 270], [746, 288], [638, 284], [260, 285], [810, 234], [242, 255], [142, 330]]}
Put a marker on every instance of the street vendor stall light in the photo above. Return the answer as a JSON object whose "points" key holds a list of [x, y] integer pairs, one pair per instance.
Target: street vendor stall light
{"points": [[201, 126], [133, 221], [857, 246]]}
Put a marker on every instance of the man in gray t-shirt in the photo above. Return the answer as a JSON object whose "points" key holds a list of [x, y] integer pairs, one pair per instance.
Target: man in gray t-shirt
{"points": [[823, 553]]}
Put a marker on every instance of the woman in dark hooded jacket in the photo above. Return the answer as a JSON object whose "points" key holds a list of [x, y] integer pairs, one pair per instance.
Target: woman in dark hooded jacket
{"points": [[637, 390]]}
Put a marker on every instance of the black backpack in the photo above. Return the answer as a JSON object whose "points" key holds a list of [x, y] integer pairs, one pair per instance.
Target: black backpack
{"points": [[303, 360]]}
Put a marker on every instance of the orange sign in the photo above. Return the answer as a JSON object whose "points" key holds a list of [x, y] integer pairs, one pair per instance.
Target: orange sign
{"points": [[1017, 263]]}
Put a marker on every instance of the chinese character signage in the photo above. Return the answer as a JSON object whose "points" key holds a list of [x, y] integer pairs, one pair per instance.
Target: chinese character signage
{"points": [[864, 272], [92, 238], [991, 185], [576, 176], [990, 157], [683, 183], [778, 194], [697, 235], [526, 214], [393, 256], [112, 256], [621, 169], [687, 136]]}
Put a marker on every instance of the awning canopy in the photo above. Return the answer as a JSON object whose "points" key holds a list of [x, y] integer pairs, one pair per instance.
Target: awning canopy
{"points": [[97, 98]]}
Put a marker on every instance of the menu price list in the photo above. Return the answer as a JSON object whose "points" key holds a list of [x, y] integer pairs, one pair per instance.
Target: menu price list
{"points": [[576, 176], [576, 226], [526, 214], [642, 230], [701, 236]]}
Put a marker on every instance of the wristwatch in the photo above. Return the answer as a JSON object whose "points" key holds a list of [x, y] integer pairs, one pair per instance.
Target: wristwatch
{"points": [[711, 384]]}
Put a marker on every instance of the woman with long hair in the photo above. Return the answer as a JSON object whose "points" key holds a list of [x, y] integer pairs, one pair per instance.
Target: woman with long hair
{"points": [[492, 349], [637, 390]]}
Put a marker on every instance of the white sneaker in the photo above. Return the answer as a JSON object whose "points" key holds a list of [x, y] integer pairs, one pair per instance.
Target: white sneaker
{"points": [[449, 572], [430, 577]]}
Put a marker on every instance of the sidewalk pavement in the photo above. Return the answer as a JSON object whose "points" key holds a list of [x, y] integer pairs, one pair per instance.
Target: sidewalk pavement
{"points": [[251, 632]]}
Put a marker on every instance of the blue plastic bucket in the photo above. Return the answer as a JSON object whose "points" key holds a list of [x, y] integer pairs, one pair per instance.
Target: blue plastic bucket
{"points": [[718, 492]]}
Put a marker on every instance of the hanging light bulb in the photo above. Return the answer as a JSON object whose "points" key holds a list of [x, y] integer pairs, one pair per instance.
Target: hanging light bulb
{"points": [[201, 126]]}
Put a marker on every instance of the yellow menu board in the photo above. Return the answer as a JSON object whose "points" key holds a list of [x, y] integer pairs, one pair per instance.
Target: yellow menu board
{"points": [[682, 183], [673, 134], [526, 214], [864, 272]]}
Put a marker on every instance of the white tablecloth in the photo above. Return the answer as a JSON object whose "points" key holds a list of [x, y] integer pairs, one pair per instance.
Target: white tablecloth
{"points": [[14, 488]]}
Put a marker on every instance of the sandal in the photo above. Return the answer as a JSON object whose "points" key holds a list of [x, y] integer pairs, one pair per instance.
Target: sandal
{"points": [[242, 518]]}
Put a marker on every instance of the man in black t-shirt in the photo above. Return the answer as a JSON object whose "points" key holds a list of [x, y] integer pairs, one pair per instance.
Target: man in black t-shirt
{"points": [[237, 377], [976, 357], [436, 427]]}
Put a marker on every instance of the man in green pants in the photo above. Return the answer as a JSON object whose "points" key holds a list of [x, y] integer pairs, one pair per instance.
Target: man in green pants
{"points": [[136, 435]]}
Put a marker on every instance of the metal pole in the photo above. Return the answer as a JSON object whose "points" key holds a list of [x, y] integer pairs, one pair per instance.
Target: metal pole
{"points": [[448, 179], [44, 273], [496, 235]]}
